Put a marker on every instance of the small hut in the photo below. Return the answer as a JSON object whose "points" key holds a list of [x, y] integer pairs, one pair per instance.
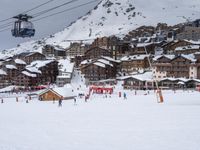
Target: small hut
{"points": [[55, 94]]}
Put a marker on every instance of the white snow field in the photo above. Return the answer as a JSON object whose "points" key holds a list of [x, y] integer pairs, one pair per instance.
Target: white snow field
{"points": [[138, 123]]}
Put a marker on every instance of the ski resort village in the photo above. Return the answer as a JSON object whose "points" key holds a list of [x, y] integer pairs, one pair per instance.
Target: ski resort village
{"points": [[125, 76]]}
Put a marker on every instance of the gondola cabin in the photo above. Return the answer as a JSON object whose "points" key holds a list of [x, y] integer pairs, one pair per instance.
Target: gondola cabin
{"points": [[22, 27]]}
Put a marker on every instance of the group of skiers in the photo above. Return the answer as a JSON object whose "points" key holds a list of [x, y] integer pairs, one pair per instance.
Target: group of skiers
{"points": [[17, 99], [124, 95]]}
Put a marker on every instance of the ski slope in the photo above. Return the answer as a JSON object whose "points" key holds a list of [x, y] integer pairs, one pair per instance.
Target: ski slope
{"points": [[103, 123]]}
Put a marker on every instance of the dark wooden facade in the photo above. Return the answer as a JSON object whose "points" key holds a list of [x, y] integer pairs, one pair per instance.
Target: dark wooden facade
{"points": [[94, 72], [29, 57], [140, 48], [132, 83], [27, 80], [177, 67], [53, 51], [49, 73], [170, 47], [134, 65], [97, 52]]}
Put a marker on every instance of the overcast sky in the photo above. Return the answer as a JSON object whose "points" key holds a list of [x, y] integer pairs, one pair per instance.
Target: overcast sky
{"points": [[45, 27]]}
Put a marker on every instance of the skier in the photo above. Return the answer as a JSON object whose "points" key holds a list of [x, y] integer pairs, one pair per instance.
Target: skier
{"points": [[148, 92], [60, 103], [86, 98], [125, 96], [74, 101], [17, 99], [119, 94], [26, 99], [2, 101]]}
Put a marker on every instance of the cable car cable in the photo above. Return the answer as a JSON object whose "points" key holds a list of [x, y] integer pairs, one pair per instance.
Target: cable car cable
{"points": [[53, 8], [6, 24], [28, 10], [5, 19], [65, 10], [37, 7], [5, 29]]}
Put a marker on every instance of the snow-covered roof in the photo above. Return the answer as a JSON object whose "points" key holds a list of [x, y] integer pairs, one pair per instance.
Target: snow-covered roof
{"points": [[58, 48], [40, 63], [170, 79], [134, 57], [64, 77], [143, 44], [189, 47], [11, 67], [33, 70], [2, 72], [176, 79], [6, 57], [66, 91], [85, 62], [100, 64], [105, 62], [65, 65], [19, 61], [167, 56], [29, 74], [110, 59], [190, 57], [193, 42], [147, 76]]}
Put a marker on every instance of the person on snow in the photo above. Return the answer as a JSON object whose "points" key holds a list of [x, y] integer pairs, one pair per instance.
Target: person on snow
{"points": [[60, 102], [86, 98], [125, 96], [17, 100], [74, 101]]}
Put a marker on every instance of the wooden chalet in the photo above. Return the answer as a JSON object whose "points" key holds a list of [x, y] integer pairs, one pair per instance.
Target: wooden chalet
{"points": [[56, 94], [100, 69], [29, 57], [48, 69], [175, 66], [169, 48], [97, 52], [134, 63], [139, 81], [27, 79], [53, 51], [3, 79], [144, 48], [76, 49], [189, 49]]}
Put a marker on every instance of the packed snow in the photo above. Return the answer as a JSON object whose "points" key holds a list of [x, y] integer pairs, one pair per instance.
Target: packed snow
{"points": [[138, 122]]}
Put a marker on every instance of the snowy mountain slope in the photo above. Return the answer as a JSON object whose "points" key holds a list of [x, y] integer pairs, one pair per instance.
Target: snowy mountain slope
{"points": [[118, 17]]}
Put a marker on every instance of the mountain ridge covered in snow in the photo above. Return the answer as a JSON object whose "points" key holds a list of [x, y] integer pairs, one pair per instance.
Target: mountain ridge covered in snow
{"points": [[116, 17]]}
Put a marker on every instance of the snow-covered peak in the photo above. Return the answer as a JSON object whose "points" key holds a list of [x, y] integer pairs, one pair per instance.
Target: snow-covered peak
{"points": [[118, 17]]}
